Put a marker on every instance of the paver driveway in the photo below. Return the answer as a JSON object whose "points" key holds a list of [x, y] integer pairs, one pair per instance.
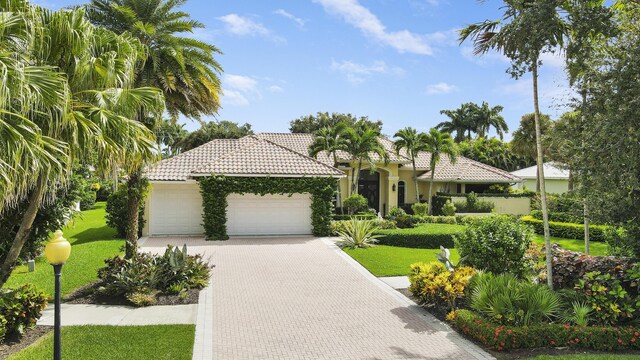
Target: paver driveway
{"points": [[299, 298]]}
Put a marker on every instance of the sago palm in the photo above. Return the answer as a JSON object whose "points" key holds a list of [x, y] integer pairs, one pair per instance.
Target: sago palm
{"points": [[438, 143], [411, 141]]}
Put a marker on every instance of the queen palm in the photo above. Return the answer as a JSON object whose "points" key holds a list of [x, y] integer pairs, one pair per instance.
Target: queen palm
{"points": [[331, 140], [409, 140], [183, 68], [527, 29], [89, 106], [437, 144], [363, 144]]}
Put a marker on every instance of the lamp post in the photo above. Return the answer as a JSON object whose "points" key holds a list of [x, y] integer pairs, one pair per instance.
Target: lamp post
{"points": [[57, 252]]}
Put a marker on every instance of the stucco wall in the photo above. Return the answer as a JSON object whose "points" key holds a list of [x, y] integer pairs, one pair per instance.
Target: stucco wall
{"points": [[555, 186], [509, 205]]}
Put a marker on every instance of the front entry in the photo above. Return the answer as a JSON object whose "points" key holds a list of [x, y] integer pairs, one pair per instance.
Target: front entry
{"points": [[369, 187]]}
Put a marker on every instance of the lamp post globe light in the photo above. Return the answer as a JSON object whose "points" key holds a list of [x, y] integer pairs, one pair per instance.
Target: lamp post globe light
{"points": [[57, 252]]}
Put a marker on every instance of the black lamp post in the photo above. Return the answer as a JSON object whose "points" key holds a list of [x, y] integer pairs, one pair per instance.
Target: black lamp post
{"points": [[57, 252]]}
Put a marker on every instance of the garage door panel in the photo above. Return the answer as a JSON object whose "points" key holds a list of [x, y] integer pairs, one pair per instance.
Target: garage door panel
{"points": [[176, 209], [268, 215]]}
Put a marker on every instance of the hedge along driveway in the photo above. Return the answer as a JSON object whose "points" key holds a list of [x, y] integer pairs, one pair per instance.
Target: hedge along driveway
{"points": [[424, 236], [92, 241]]}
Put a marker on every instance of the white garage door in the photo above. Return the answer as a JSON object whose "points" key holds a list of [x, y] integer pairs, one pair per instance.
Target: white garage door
{"points": [[175, 209], [269, 215]]}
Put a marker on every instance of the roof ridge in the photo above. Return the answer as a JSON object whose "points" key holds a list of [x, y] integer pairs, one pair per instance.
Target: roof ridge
{"points": [[303, 155]]}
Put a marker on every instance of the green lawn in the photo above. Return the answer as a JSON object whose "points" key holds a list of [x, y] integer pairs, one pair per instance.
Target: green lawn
{"points": [[427, 228], [91, 240], [597, 248], [394, 261], [171, 342]]}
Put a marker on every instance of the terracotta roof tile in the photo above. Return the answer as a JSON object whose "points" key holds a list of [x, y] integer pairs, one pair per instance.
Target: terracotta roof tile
{"points": [[464, 170]]}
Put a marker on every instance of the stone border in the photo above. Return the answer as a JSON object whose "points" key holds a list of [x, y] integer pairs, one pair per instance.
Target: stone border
{"points": [[203, 343], [466, 345]]}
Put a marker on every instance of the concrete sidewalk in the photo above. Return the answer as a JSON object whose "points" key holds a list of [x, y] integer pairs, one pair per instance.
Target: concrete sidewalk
{"points": [[396, 282], [89, 314]]}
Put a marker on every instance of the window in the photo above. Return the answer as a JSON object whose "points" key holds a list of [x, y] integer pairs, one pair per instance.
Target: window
{"points": [[401, 192]]}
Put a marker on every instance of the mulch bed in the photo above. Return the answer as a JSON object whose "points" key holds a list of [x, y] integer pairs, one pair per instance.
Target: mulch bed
{"points": [[13, 345], [516, 354], [87, 295]]}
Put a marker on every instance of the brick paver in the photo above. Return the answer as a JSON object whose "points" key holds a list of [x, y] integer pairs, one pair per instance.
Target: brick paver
{"points": [[297, 298]]}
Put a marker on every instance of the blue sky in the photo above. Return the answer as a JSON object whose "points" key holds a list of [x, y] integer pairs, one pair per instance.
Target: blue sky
{"points": [[392, 60]]}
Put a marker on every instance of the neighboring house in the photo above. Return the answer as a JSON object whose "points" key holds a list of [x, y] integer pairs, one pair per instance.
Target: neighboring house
{"points": [[174, 205], [556, 179]]}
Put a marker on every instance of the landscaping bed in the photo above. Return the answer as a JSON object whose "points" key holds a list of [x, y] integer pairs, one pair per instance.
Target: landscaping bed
{"points": [[89, 295], [13, 345]]}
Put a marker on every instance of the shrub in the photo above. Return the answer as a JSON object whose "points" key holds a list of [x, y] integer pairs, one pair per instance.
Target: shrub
{"points": [[176, 267], [451, 220], [568, 230], [3, 328], [557, 217], [419, 237], [355, 203], [88, 199], [404, 221], [117, 212], [420, 209], [437, 202], [500, 337], [499, 189], [395, 212], [142, 298], [507, 300], [496, 244], [361, 215], [106, 189], [358, 234], [473, 205], [613, 305], [21, 308], [436, 286], [449, 209]]}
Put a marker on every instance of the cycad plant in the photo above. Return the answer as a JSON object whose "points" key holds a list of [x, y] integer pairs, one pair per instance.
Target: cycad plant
{"points": [[358, 234]]}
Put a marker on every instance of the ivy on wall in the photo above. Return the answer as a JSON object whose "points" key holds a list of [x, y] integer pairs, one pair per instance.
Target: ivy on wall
{"points": [[214, 190]]}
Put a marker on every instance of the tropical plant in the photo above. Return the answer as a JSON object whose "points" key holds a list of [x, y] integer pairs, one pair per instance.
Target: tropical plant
{"points": [[487, 117], [329, 139], [355, 203], [437, 144], [412, 142], [211, 131], [526, 31], [449, 209], [495, 153], [310, 124], [579, 313], [169, 134], [358, 234], [460, 122], [523, 141], [86, 107], [436, 286], [420, 209], [362, 143], [183, 68]]}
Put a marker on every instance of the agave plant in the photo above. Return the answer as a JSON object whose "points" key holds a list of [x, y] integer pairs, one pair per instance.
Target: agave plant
{"points": [[358, 234]]}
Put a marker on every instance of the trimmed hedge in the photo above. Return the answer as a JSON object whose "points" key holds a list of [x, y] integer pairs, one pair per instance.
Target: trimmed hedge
{"points": [[557, 216], [567, 230], [451, 220], [422, 237], [361, 216], [504, 195], [500, 338]]}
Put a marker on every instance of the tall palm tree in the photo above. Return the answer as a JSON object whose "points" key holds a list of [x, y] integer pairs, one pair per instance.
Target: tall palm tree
{"points": [[87, 109], [488, 117], [183, 68], [438, 143], [523, 141], [331, 140], [412, 142], [527, 29], [363, 144], [460, 122]]}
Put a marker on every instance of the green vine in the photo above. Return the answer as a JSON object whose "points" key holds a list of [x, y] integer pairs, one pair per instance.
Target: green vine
{"points": [[214, 190]]}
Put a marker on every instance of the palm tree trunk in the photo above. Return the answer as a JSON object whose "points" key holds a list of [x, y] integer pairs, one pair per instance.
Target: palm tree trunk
{"points": [[540, 162], [587, 242], [415, 179], [571, 181], [354, 189], [35, 201], [357, 178], [430, 200], [134, 197], [338, 194]]}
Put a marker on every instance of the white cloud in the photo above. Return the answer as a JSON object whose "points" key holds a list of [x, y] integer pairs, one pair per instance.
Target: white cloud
{"points": [[275, 89], [239, 89], [243, 26], [490, 57], [361, 18], [300, 22], [357, 73], [555, 59], [441, 88]]}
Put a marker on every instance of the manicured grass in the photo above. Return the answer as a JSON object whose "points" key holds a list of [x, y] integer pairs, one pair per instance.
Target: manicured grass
{"points": [[116, 342], [597, 248], [394, 261], [427, 228], [91, 240], [587, 357]]}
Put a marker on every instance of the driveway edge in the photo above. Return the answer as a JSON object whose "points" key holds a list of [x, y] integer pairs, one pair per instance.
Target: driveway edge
{"points": [[466, 345], [203, 342]]}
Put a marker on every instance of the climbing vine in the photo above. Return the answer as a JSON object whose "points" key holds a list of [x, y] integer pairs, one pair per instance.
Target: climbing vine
{"points": [[214, 190]]}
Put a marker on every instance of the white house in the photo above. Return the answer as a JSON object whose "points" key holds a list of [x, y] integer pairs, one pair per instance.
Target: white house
{"points": [[556, 179]]}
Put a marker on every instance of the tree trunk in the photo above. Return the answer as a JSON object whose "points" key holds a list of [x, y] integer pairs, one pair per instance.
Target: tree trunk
{"points": [[354, 188], [357, 178], [538, 183], [134, 197], [35, 201], [540, 162], [338, 194], [587, 240], [571, 180], [430, 200], [587, 243], [415, 179]]}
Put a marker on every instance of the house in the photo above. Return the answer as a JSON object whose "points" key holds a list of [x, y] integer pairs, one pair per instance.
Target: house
{"points": [[556, 179], [175, 206]]}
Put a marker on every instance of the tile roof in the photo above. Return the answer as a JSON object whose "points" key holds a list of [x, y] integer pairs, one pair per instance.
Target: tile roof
{"points": [[464, 170], [551, 171]]}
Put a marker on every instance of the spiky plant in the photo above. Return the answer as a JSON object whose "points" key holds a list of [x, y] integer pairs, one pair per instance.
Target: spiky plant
{"points": [[358, 234]]}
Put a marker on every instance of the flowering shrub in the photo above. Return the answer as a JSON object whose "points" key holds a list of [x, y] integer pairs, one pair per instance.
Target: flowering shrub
{"points": [[434, 285], [500, 338]]}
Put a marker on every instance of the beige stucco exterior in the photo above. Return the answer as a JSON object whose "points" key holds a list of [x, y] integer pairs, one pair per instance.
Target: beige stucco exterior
{"points": [[554, 186], [505, 205]]}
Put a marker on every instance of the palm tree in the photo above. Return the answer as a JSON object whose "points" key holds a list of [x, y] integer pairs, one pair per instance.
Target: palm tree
{"points": [[331, 140], [460, 122], [526, 30], [523, 141], [88, 105], [438, 143], [409, 140], [488, 117], [362, 143], [183, 68]]}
